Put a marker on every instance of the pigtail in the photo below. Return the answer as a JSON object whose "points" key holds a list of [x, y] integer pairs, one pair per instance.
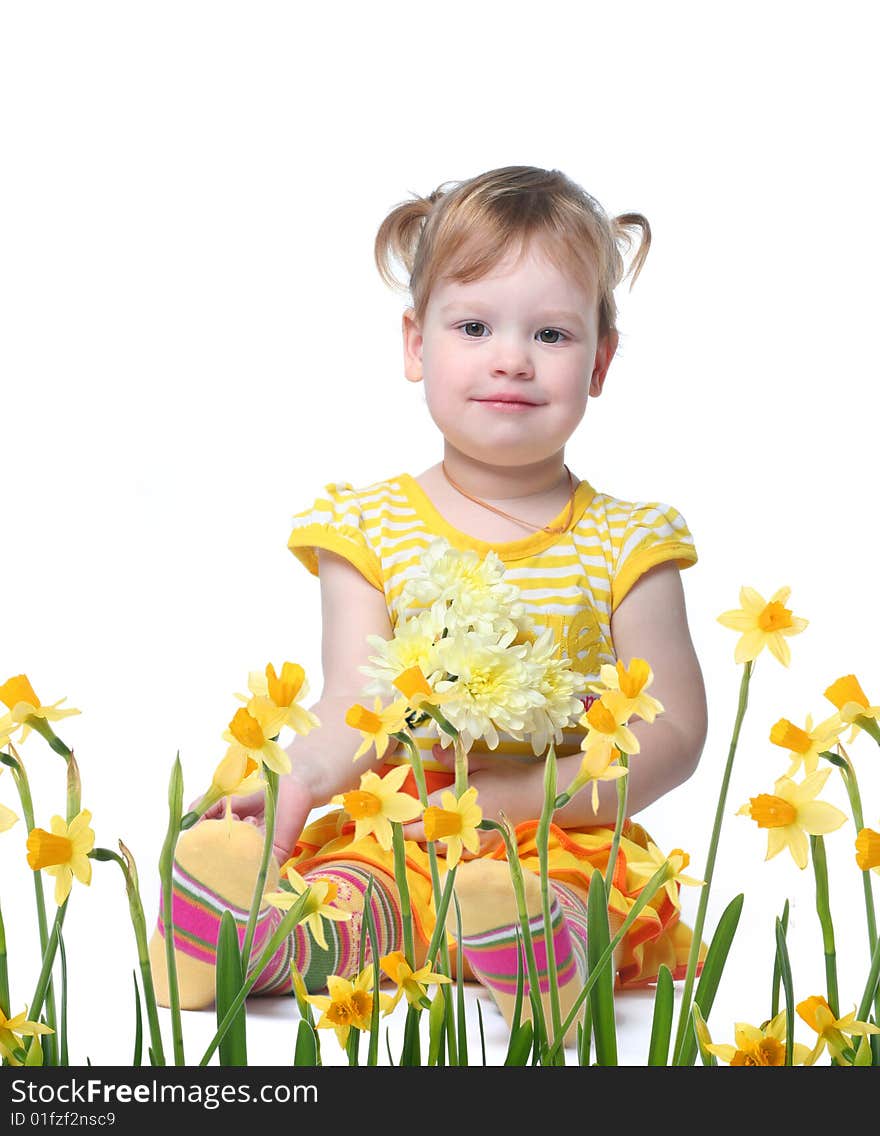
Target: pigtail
{"points": [[623, 227], [399, 235]]}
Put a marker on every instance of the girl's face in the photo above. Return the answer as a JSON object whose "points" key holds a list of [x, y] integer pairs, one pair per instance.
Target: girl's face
{"points": [[509, 360]]}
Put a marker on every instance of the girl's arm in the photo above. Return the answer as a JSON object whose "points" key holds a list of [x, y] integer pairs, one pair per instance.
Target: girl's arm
{"points": [[322, 761]]}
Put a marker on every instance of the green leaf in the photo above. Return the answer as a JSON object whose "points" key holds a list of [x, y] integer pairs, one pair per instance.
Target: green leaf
{"points": [[138, 1023], [585, 1036], [482, 1033], [34, 1057], [411, 1056], [229, 978], [62, 1057], [520, 1045], [713, 966], [788, 987], [661, 1028], [602, 994], [436, 1024], [306, 1052], [774, 989]]}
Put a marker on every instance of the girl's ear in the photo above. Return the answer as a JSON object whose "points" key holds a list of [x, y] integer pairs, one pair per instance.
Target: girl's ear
{"points": [[412, 347], [604, 354]]}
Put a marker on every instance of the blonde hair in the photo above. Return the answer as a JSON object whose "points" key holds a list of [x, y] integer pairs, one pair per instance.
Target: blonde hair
{"points": [[463, 229]]}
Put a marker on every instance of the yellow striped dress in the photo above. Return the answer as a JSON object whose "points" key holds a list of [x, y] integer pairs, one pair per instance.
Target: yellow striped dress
{"points": [[571, 581]]}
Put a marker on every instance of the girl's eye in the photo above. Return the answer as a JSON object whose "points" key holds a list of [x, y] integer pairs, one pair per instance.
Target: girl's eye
{"points": [[553, 331], [479, 324]]}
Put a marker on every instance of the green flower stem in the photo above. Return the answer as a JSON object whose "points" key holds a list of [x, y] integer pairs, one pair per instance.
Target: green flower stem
{"points": [[645, 895], [848, 773], [542, 837], [823, 908], [439, 931], [5, 1007], [257, 899], [284, 928], [870, 725], [461, 767], [872, 986], [166, 866], [139, 924], [684, 1018], [622, 793], [19, 776], [516, 875], [403, 889], [45, 979], [42, 727], [418, 769]]}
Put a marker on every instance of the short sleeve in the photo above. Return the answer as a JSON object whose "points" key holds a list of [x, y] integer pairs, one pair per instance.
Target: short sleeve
{"points": [[335, 522], [654, 533]]}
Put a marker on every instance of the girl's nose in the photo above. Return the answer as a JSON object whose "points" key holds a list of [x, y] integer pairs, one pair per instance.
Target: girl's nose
{"points": [[512, 358]]}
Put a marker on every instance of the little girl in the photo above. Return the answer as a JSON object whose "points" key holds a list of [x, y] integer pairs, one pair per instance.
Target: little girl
{"points": [[511, 330]]}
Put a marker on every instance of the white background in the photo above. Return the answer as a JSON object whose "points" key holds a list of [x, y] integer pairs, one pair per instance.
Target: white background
{"points": [[195, 340]]}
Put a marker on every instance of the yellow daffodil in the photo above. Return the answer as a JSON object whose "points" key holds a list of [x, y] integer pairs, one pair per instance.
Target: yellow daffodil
{"points": [[599, 763], [455, 824], [416, 689], [805, 745], [763, 624], [852, 704], [348, 1005], [18, 694], [676, 862], [376, 725], [631, 682], [868, 850], [236, 775], [760, 1045], [249, 738], [605, 722], [323, 892], [377, 803], [790, 812], [275, 701], [411, 983], [63, 852], [832, 1031], [12, 1030]]}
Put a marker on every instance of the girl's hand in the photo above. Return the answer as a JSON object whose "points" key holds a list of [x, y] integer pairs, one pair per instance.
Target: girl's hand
{"points": [[294, 805], [502, 787]]}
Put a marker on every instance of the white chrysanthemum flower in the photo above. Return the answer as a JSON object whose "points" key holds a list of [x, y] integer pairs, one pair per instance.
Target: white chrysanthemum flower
{"points": [[469, 591], [414, 645], [559, 684], [492, 687]]}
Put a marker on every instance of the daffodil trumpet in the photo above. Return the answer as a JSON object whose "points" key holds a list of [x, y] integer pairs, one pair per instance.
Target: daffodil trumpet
{"points": [[684, 1015], [290, 919]]}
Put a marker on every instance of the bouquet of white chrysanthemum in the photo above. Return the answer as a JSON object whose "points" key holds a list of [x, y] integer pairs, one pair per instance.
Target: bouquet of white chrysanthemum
{"points": [[470, 634]]}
